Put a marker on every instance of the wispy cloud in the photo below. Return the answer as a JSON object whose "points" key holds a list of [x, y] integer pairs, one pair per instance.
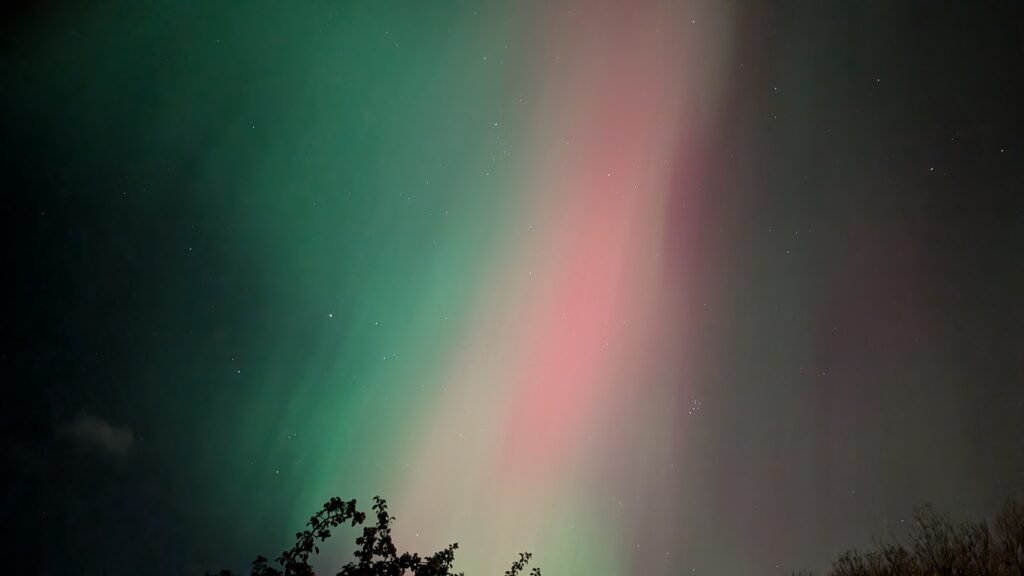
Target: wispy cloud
{"points": [[94, 433]]}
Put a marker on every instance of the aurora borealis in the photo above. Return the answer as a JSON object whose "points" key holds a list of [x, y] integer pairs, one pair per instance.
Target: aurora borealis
{"points": [[643, 287]]}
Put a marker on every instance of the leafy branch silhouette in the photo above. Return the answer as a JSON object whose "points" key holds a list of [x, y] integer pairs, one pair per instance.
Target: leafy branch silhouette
{"points": [[375, 555]]}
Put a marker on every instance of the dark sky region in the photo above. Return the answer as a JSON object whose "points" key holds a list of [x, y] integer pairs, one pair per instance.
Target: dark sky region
{"points": [[646, 288]]}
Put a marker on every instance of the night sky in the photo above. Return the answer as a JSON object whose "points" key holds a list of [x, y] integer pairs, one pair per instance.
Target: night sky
{"points": [[645, 287]]}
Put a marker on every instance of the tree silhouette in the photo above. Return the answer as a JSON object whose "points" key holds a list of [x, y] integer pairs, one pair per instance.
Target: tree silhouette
{"points": [[935, 547], [939, 547], [375, 555]]}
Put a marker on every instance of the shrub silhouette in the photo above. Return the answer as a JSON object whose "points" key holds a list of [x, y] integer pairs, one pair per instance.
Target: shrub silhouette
{"points": [[375, 555], [938, 547]]}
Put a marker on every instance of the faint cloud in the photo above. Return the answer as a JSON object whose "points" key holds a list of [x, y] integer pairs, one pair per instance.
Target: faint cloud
{"points": [[94, 433]]}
